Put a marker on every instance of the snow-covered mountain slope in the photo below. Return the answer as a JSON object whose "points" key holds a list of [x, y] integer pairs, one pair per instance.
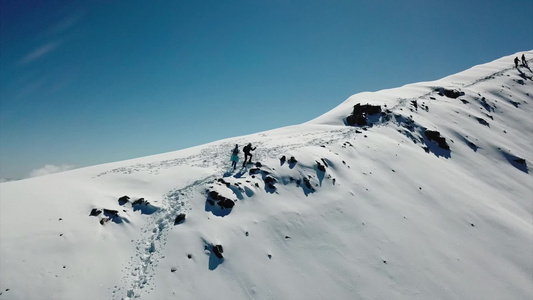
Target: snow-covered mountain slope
{"points": [[431, 199]]}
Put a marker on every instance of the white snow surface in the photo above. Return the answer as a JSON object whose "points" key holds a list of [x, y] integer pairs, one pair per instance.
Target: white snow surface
{"points": [[386, 219]]}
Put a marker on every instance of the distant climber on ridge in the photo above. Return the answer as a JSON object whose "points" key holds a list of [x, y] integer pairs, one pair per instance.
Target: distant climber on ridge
{"points": [[235, 156], [516, 61], [524, 61], [246, 151]]}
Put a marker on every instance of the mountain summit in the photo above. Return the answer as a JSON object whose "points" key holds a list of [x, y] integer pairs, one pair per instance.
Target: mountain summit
{"points": [[417, 192]]}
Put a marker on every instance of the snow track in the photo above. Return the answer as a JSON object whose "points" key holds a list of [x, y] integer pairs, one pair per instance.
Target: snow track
{"points": [[149, 247]]}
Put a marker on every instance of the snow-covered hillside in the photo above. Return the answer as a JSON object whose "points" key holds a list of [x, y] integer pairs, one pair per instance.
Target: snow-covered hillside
{"points": [[428, 195]]}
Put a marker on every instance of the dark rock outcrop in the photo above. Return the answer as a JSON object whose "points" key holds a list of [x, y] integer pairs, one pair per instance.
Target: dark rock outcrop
{"points": [[104, 220], [453, 94], [95, 212], [110, 212], [270, 181], [123, 200], [359, 116], [179, 219], [218, 250], [222, 201], [139, 202], [320, 167], [435, 136]]}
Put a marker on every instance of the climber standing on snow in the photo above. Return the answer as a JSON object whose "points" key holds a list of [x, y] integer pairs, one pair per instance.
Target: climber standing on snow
{"points": [[235, 156], [524, 62], [246, 151], [516, 61]]}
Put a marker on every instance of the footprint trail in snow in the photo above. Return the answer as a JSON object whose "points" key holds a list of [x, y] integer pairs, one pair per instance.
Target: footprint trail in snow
{"points": [[149, 247]]}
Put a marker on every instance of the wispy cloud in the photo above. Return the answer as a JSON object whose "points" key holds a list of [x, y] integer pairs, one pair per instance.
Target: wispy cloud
{"points": [[50, 169], [66, 23], [39, 52]]}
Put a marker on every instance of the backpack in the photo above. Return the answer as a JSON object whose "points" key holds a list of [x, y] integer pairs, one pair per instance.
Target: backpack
{"points": [[246, 149]]}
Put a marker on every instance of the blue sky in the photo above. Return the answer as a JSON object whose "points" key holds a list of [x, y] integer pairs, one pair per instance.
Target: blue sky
{"points": [[89, 82]]}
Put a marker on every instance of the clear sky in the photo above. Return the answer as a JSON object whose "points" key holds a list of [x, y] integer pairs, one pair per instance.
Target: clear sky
{"points": [[89, 82]]}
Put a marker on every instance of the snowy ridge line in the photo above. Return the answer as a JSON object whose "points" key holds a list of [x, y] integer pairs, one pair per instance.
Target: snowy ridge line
{"points": [[403, 101], [493, 75], [149, 248], [205, 158], [212, 155]]}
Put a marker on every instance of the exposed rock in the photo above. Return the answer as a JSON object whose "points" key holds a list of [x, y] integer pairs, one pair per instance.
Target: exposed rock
{"points": [[213, 195], [270, 181], [358, 120], [139, 202], [95, 212], [435, 136], [360, 113], [104, 220], [226, 203], [218, 250], [110, 212], [520, 160], [179, 219], [123, 200], [454, 94], [308, 184], [320, 167], [222, 201], [221, 180], [482, 121], [254, 171]]}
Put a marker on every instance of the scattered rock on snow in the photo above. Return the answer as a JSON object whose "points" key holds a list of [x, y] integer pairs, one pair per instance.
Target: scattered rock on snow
{"points": [[179, 219]]}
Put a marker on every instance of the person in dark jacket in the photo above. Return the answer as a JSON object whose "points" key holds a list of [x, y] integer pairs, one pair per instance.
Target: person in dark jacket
{"points": [[247, 153], [235, 156], [524, 62], [516, 61]]}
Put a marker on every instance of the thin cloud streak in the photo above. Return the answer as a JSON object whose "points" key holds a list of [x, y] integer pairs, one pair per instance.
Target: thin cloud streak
{"points": [[66, 23], [39, 52]]}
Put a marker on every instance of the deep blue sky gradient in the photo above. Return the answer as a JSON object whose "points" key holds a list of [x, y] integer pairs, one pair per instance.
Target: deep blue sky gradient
{"points": [[89, 82]]}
